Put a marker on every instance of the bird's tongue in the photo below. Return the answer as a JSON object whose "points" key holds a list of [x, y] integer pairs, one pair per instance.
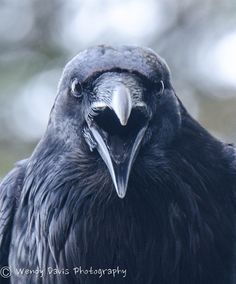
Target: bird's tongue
{"points": [[119, 148]]}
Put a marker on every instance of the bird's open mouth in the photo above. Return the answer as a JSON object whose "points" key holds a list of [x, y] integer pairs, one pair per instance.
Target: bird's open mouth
{"points": [[116, 136], [118, 144]]}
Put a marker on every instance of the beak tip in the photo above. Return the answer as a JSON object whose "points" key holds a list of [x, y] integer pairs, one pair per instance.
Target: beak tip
{"points": [[123, 122], [122, 104], [121, 195], [121, 191]]}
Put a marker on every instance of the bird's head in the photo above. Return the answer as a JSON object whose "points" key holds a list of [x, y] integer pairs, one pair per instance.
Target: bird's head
{"points": [[118, 100]]}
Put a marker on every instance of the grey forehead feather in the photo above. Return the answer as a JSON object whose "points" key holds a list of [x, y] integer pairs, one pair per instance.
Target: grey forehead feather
{"points": [[104, 58]]}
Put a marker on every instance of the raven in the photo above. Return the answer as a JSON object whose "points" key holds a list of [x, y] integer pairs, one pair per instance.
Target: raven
{"points": [[124, 186]]}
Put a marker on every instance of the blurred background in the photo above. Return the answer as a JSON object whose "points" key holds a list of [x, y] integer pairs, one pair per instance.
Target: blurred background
{"points": [[196, 37]]}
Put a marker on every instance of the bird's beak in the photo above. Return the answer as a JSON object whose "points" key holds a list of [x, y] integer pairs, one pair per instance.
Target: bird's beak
{"points": [[118, 127]]}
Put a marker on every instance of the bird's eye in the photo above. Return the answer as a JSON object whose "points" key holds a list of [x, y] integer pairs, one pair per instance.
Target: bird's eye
{"points": [[76, 88], [160, 87]]}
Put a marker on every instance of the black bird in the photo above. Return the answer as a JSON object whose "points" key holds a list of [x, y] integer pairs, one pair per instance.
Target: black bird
{"points": [[124, 187]]}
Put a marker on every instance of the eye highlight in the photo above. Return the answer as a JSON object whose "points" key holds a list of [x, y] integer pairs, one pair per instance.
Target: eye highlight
{"points": [[76, 88], [160, 87]]}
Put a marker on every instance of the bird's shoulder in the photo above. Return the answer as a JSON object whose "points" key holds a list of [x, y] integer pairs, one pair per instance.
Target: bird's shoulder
{"points": [[11, 182], [230, 152], [10, 189]]}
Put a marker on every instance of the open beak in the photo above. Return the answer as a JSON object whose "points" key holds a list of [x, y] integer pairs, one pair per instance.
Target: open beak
{"points": [[118, 126]]}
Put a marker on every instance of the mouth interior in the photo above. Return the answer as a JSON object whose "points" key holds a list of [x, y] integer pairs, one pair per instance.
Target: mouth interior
{"points": [[118, 145], [109, 122]]}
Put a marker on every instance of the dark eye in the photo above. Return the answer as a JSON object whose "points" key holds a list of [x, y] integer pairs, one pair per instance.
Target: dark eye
{"points": [[159, 88], [76, 88]]}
